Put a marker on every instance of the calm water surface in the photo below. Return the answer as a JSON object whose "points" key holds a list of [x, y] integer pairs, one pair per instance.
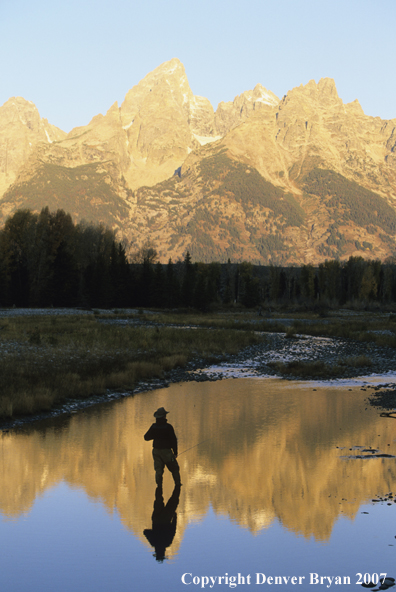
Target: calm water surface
{"points": [[272, 488]]}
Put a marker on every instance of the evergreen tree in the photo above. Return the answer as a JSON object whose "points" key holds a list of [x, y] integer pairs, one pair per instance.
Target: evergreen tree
{"points": [[188, 284], [159, 287], [172, 291], [16, 240], [307, 280]]}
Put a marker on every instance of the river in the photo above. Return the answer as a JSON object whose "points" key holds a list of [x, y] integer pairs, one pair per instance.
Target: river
{"points": [[277, 483]]}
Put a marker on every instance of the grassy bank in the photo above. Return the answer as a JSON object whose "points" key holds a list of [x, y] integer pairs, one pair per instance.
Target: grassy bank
{"points": [[318, 368], [47, 360], [369, 327]]}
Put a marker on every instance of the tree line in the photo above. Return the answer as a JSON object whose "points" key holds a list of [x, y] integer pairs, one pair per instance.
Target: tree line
{"points": [[202, 285], [47, 260]]}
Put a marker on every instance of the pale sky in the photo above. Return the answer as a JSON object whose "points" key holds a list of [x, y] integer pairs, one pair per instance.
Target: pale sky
{"points": [[75, 58]]}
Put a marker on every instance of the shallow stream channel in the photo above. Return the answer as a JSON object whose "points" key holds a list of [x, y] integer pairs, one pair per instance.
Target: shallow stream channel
{"points": [[286, 485]]}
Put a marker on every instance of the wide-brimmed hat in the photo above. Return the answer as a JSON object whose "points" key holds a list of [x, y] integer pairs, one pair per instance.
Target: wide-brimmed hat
{"points": [[160, 412]]}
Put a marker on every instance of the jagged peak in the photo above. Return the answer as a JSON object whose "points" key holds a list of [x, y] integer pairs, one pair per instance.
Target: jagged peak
{"points": [[327, 85], [20, 105], [20, 101], [172, 68], [261, 94], [324, 92], [114, 109], [324, 86], [258, 95], [26, 112], [356, 107], [170, 75], [99, 119], [19, 111]]}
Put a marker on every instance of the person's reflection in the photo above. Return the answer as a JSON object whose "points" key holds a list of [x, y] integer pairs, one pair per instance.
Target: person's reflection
{"points": [[164, 520]]}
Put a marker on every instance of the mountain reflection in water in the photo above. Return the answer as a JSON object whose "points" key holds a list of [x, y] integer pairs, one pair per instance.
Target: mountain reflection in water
{"points": [[270, 450]]}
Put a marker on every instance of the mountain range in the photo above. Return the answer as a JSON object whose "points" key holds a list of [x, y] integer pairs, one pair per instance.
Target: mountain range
{"points": [[262, 179]]}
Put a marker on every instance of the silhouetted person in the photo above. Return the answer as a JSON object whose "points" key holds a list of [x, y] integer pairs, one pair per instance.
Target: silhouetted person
{"points": [[164, 521], [164, 447]]}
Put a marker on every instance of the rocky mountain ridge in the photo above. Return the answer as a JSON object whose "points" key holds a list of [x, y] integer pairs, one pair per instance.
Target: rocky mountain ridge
{"points": [[21, 130], [282, 181]]}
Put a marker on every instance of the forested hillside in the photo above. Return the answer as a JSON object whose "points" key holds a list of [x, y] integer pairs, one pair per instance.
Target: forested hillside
{"points": [[47, 260]]}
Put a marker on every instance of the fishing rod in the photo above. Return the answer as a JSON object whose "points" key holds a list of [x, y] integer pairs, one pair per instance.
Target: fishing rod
{"points": [[195, 445]]}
